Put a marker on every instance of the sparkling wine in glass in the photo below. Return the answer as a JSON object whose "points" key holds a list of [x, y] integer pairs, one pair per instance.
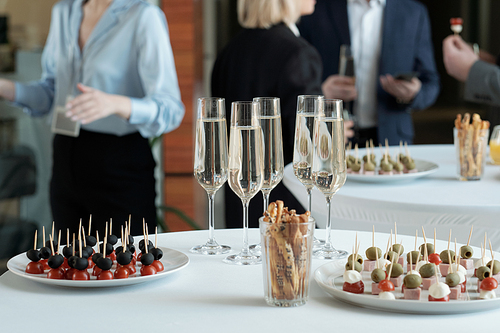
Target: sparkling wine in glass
{"points": [[329, 165], [246, 167], [303, 147], [270, 122], [211, 161]]}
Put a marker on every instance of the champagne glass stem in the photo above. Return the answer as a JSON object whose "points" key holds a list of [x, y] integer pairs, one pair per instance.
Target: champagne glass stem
{"points": [[266, 195], [211, 218], [246, 250], [309, 198], [328, 243]]}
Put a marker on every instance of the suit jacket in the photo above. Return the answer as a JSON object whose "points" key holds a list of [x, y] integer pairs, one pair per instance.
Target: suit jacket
{"points": [[406, 47], [483, 83], [274, 63]]}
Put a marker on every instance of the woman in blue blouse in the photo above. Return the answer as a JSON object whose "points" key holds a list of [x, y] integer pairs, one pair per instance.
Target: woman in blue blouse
{"points": [[115, 57]]}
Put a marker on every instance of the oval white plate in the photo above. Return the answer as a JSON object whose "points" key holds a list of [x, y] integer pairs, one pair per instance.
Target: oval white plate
{"points": [[172, 261], [333, 271], [424, 168]]}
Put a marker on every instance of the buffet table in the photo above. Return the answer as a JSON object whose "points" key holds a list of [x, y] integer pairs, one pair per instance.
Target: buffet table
{"points": [[207, 295], [438, 200]]}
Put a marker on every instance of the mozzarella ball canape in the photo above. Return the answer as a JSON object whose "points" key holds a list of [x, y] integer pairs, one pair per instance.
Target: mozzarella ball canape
{"points": [[456, 25], [439, 292]]}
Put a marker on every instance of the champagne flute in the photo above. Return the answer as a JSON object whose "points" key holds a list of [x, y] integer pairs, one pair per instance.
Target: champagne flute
{"points": [[303, 147], [211, 161], [270, 122], [329, 165], [346, 68], [246, 167]]}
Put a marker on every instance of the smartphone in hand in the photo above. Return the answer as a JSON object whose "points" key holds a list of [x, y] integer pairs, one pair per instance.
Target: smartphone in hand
{"points": [[406, 76]]}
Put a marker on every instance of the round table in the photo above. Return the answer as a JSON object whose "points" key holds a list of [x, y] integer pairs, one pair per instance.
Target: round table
{"points": [[206, 296], [438, 200]]}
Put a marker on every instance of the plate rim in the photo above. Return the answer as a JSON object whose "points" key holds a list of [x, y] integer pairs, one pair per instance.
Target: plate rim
{"points": [[183, 262], [400, 305]]}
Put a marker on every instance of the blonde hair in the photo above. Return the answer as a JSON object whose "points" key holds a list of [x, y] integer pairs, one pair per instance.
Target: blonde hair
{"points": [[266, 13]]}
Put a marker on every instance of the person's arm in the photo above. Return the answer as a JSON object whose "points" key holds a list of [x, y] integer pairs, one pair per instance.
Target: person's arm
{"points": [[483, 83], [161, 110], [7, 90], [36, 97], [425, 65]]}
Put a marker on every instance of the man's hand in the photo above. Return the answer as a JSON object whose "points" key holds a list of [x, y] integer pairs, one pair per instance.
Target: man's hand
{"points": [[458, 57], [94, 104], [348, 130], [340, 87], [403, 91]]}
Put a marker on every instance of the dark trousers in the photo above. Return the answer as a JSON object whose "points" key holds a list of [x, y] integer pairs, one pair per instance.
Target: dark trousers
{"points": [[365, 134], [104, 175]]}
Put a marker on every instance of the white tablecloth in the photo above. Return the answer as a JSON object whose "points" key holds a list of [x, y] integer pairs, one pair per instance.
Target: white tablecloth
{"points": [[206, 296], [438, 201]]}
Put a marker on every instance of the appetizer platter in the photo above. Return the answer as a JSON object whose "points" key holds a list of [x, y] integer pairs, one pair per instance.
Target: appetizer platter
{"points": [[449, 282], [400, 167], [329, 278], [86, 262], [172, 260]]}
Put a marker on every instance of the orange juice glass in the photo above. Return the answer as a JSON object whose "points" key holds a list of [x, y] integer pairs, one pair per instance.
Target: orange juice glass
{"points": [[495, 145]]}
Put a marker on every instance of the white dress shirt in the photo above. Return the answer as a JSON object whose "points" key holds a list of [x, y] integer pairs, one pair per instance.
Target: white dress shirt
{"points": [[365, 26]]}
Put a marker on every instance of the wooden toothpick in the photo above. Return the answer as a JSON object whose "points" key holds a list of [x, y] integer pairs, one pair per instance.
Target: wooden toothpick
{"points": [[36, 236], [51, 244], [58, 241], [470, 234], [90, 223]]}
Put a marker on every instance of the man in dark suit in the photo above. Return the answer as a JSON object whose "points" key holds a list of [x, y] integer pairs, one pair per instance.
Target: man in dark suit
{"points": [[395, 36]]}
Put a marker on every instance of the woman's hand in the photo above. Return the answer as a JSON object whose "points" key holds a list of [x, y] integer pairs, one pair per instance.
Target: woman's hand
{"points": [[403, 91], [93, 104]]}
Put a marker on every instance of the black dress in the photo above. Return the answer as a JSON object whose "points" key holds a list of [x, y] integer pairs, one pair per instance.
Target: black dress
{"points": [[266, 63]]}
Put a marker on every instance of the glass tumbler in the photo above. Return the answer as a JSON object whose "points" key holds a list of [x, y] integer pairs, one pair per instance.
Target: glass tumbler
{"points": [[470, 147], [286, 258]]}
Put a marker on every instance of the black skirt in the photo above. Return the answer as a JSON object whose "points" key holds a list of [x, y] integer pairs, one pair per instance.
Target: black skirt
{"points": [[104, 175]]}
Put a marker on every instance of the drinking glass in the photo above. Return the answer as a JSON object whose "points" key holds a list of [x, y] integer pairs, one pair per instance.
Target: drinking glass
{"points": [[270, 122], [246, 167], [303, 147], [329, 165], [346, 68], [346, 61], [211, 161], [495, 145]]}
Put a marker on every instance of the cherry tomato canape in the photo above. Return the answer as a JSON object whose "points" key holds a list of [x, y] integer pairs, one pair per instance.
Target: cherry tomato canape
{"points": [[489, 283], [386, 285], [34, 267], [456, 21], [434, 258]]}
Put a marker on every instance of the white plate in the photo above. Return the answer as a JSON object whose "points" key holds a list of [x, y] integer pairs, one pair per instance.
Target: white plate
{"points": [[424, 168], [172, 261], [329, 278]]}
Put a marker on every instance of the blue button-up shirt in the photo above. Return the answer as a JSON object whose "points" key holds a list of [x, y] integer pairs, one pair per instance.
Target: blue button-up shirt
{"points": [[128, 53]]}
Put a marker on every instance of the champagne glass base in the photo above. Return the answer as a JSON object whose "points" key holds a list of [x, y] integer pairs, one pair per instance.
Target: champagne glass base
{"points": [[318, 242], [329, 253], [209, 249], [256, 249], [242, 259]]}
